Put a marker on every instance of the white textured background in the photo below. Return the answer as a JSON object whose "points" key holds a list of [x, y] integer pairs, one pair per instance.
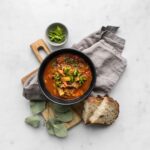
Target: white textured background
{"points": [[24, 21]]}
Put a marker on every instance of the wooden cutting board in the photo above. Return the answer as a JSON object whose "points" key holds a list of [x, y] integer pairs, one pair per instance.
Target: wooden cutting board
{"points": [[36, 47]]}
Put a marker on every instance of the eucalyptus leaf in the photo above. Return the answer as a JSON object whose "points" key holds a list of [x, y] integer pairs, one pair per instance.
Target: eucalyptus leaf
{"points": [[33, 121], [60, 108], [65, 117], [56, 121], [50, 128], [60, 130], [37, 106], [56, 127]]}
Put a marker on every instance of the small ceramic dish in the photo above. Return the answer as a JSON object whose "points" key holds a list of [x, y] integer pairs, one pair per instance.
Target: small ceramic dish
{"points": [[53, 27]]}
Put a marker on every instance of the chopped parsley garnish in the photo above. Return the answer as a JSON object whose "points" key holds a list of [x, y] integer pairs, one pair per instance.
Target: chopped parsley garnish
{"points": [[57, 77], [82, 79], [75, 73], [66, 70], [57, 34], [71, 61]]}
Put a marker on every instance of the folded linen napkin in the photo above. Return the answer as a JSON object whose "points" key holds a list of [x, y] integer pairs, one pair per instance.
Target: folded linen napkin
{"points": [[104, 48]]}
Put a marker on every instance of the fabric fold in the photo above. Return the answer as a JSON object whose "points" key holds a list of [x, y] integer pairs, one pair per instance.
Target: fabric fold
{"points": [[105, 49]]}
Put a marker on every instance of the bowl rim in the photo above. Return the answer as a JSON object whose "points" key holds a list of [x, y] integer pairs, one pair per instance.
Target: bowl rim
{"points": [[66, 32], [61, 101]]}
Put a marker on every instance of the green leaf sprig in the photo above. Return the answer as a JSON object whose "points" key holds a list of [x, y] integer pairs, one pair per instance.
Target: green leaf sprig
{"points": [[33, 121], [63, 113], [56, 127], [57, 34], [36, 108]]}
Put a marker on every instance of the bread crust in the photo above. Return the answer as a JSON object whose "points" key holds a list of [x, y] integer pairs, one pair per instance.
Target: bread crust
{"points": [[100, 110]]}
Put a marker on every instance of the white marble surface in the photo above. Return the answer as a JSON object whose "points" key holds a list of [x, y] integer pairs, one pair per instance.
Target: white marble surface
{"points": [[24, 21]]}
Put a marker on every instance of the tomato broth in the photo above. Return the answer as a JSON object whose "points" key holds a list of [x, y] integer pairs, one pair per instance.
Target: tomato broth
{"points": [[67, 76]]}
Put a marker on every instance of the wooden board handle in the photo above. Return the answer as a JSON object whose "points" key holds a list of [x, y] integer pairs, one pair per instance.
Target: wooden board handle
{"points": [[39, 45]]}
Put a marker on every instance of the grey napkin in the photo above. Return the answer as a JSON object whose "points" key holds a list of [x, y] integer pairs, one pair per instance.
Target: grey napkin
{"points": [[104, 48]]}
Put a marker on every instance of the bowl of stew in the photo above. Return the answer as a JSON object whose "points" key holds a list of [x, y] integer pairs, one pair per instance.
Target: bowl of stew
{"points": [[67, 76]]}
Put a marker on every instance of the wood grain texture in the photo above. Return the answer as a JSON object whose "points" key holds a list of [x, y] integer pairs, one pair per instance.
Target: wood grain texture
{"points": [[37, 46], [23, 79]]}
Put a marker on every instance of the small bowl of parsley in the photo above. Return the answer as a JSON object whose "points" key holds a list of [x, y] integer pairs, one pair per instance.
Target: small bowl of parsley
{"points": [[57, 34]]}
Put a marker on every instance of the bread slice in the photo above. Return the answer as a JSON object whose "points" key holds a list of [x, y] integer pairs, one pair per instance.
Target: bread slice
{"points": [[90, 106], [106, 113]]}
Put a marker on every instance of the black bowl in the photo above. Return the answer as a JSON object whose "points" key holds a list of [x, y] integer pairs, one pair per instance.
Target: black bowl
{"points": [[62, 101]]}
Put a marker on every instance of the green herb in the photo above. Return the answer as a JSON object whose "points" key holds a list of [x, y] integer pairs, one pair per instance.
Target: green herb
{"points": [[79, 74], [33, 121], [57, 77], [71, 79], [71, 61], [57, 34], [82, 79], [68, 60], [37, 106], [66, 70], [75, 73], [75, 65]]}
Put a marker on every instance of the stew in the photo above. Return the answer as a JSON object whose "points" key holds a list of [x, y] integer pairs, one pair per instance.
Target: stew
{"points": [[67, 76]]}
